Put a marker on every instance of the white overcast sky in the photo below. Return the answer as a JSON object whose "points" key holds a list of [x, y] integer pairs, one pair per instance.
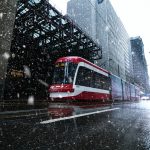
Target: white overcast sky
{"points": [[135, 15]]}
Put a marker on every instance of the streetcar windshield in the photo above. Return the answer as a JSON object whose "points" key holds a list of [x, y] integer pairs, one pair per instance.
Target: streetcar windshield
{"points": [[64, 73]]}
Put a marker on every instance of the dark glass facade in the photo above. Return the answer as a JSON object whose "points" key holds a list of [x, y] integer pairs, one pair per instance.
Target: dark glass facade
{"points": [[139, 63]]}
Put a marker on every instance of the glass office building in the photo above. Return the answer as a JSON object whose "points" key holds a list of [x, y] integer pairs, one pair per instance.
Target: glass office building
{"points": [[139, 63], [101, 22]]}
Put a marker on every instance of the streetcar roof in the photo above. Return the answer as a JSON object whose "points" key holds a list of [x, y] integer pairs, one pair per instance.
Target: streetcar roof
{"points": [[77, 59]]}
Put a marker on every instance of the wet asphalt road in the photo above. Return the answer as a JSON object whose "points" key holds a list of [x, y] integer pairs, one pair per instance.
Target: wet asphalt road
{"points": [[127, 128]]}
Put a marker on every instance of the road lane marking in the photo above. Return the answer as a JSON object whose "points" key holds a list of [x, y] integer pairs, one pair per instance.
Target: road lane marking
{"points": [[77, 116]]}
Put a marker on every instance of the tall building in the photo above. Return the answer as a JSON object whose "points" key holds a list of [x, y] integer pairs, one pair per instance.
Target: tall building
{"points": [[101, 22], [139, 63]]}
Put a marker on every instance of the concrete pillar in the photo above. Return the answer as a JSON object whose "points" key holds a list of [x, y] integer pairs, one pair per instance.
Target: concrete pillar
{"points": [[7, 19]]}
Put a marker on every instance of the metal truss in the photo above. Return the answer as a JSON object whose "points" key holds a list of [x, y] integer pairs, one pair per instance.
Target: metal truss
{"points": [[40, 24]]}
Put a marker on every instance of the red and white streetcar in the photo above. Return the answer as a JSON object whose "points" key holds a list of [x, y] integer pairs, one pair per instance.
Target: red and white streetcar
{"points": [[78, 80]]}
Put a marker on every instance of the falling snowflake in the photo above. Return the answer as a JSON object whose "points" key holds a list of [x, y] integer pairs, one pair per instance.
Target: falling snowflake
{"points": [[132, 53], [44, 83], [27, 71], [1, 15], [18, 95], [24, 46], [13, 55], [6, 55], [107, 28], [52, 99], [31, 100]]}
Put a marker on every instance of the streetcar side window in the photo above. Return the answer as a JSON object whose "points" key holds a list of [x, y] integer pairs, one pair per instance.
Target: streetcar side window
{"points": [[89, 78], [105, 82], [100, 81], [84, 77], [97, 80]]}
